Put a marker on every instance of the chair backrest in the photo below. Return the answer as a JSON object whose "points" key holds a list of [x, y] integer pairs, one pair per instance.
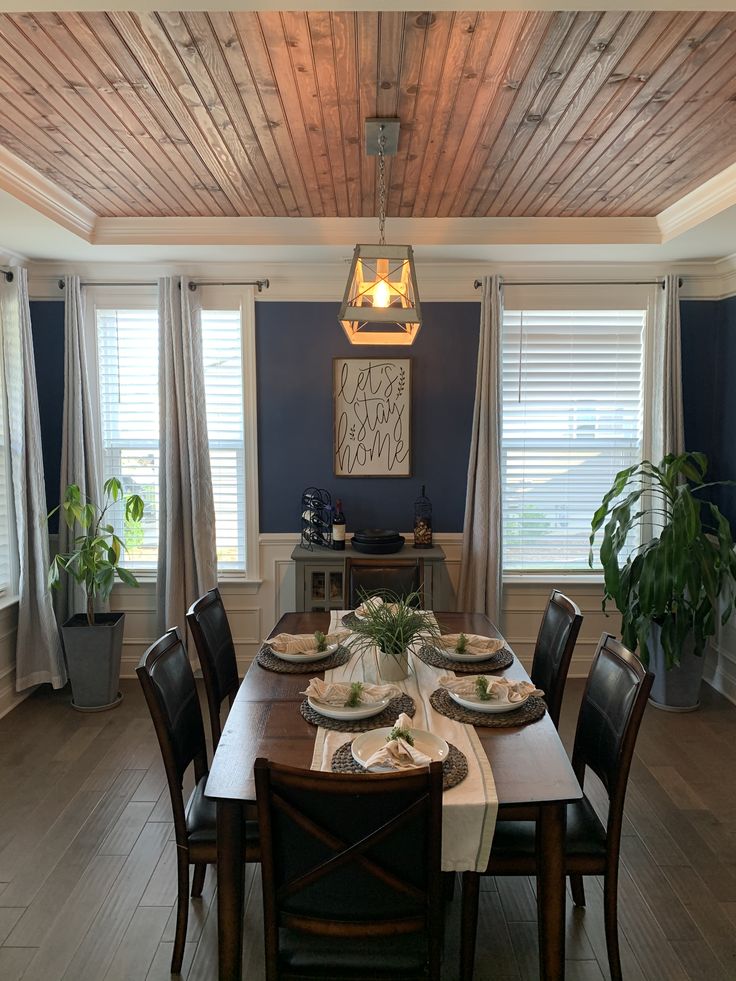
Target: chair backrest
{"points": [[558, 633], [608, 722], [211, 631], [350, 855], [381, 579], [168, 684]]}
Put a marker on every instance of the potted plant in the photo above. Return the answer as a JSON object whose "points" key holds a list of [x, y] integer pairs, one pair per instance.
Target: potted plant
{"points": [[671, 588], [93, 641], [389, 624]]}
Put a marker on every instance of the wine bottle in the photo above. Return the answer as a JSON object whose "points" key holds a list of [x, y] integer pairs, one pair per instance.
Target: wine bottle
{"points": [[338, 527]]}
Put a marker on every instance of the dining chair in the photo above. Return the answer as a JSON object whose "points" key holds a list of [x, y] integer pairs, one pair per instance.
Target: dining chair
{"points": [[399, 578], [352, 886], [210, 628], [558, 633], [610, 714], [168, 684]]}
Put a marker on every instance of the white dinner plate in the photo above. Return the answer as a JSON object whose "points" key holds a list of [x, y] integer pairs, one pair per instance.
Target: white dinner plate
{"points": [[360, 711], [477, 705], [307, 658], [366, 744], [452, 655]]}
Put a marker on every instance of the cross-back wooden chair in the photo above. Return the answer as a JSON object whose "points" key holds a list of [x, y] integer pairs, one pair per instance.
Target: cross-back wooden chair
{"points": [[398, 578], [170, 690], [558, 634], [608, 723], [210, 629], [352, 885]]}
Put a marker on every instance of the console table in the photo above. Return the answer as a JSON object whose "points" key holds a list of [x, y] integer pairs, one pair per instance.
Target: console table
{"points": [[320, 576]]}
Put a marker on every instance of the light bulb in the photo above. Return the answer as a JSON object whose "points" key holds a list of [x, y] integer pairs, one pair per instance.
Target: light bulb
{"points": [[381, 294]]}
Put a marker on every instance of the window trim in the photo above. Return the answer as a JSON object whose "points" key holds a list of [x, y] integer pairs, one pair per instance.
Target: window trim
{"points": [[212, 298]]}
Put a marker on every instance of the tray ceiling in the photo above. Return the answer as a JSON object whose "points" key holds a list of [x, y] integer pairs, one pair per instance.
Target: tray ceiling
{"points": [[519, 114]]}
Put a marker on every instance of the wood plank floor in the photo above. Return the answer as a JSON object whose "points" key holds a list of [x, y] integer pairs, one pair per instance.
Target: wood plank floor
{"points": [[87, 863]]}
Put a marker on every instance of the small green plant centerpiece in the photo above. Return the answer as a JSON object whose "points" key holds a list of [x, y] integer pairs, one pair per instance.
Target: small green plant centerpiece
{"points": [[387, 630], [93, 641], [669, 590]]}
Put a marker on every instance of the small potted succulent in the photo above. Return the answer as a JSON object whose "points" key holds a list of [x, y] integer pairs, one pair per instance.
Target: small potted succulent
{"points": [[387, 629], [93, 641]]}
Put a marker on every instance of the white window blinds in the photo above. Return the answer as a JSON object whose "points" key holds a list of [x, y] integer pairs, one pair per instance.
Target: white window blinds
{"points": [[572, 418], [7, 539], [127, 344]]}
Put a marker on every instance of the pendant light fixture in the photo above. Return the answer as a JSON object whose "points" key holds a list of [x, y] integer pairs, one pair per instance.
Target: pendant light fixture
{"points": [[381, 302]]}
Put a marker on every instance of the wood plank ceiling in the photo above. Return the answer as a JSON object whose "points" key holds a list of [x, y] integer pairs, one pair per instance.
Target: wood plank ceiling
{"points": [[503, 114]]}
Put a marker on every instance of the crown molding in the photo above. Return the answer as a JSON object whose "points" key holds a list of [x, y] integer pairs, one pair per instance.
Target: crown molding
{"points": [[348, 231], [438, 281], [34, 189], [706, 201]]}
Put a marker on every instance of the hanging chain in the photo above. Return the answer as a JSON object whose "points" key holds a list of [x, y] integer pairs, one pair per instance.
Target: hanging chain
{"points": [[381, 188]]}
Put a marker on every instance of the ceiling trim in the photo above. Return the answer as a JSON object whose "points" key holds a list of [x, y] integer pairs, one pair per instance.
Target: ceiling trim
{"points": [[34, 189], [706, 201], [348, 231]]}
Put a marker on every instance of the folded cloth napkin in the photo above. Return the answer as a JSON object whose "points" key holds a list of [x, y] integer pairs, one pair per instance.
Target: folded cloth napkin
{"points": [[475, 643], [398, 754], [302, 643], [338, 692], [500, 689]]}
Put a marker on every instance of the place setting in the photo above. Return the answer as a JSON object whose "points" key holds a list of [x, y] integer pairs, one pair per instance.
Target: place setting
{"points": [[400, 747], [354, 706], [493, 702], [298, 653], [467, 653]]}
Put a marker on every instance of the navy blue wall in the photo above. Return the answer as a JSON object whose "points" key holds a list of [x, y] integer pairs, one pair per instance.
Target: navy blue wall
{"points": [[47, 320], [296, 343], [295, 346]]}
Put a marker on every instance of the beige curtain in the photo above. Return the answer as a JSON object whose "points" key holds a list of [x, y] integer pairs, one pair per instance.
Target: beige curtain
{"points": [[187, 560], [668, 429], [480, 571], [80, 453], [38, 657]]}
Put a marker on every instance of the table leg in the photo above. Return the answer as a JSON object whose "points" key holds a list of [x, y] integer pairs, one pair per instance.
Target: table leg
{"points": [[468, 924], [230, 889], [551, 890]]}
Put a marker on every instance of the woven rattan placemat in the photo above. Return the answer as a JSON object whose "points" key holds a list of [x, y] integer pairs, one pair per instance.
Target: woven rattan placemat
{"points": [[454, 766], [268, 660], [531, 711]]}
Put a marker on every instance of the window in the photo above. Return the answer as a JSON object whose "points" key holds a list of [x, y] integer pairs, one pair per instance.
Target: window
{"points": [[572, 418], [127, 351], [7, 538]]}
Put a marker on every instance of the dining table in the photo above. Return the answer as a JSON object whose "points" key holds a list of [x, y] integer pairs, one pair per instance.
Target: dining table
{"points": [[533, 778]]}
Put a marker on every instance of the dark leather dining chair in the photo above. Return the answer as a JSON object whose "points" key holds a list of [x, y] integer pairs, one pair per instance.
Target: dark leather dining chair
{"points": [[610, 714], [558, 633], [210, 628], [352, 886], [371, 578], [168, 684]]}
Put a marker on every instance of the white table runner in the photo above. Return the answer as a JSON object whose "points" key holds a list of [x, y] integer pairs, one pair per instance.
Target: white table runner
{"points": [[468, 810]]}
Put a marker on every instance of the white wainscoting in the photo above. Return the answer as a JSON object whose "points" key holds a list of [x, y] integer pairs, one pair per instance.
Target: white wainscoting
{"points": [[253, 614], [720, 661], [9, 697]]}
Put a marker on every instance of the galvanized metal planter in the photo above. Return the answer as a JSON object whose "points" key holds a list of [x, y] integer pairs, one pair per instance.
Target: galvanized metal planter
{"points": [[93, 660]]}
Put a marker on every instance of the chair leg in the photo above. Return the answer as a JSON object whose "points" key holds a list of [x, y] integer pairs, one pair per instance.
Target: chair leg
{"points": [[610, 912], [182, 910], [448, 885], [198, 880], [468, 924], [578, 889]]}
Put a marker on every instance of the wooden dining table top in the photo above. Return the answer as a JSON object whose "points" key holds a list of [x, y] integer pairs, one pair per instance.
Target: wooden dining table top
{"points": [[529, 763]]}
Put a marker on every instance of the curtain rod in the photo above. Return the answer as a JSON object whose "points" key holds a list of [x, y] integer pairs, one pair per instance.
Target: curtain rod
{"points": [[609, 282], [262, 284]]}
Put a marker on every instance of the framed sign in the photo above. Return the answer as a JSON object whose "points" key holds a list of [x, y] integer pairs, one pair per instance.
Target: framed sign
{"points": [[372, 417]]}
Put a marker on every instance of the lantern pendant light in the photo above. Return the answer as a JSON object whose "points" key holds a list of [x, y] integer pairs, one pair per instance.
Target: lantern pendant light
{"points": [[381, 302]]}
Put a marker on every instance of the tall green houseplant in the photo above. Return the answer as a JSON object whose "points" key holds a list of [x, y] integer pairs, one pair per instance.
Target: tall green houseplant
{"points": [[683, 574]]}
